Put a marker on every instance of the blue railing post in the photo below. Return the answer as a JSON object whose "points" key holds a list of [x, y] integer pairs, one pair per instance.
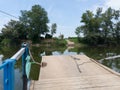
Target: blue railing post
{"points": [[24, 57], [24, 65], [8, 68], [9, 74]]}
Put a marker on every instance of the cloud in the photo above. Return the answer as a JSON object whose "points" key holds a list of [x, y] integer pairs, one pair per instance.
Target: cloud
{"points": [[115, 4], [112, 3], [54, 13], [50, 8], [3, 21]]}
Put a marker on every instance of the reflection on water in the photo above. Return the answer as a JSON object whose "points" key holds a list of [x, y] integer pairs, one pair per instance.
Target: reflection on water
{"points": [[113, 63], [99, 53], [96, 53], [66, 52]]}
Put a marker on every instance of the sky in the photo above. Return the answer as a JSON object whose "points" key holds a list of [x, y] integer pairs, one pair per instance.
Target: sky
{"points": [[65, 13]]}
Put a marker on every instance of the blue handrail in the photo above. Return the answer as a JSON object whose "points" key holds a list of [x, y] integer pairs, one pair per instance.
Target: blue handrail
{"points": [[3, 65], [8, 67]]}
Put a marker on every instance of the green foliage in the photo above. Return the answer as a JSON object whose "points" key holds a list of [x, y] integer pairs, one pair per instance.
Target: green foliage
{"points": [[14, 30], [79, 41], [53, 28], [74, 39], [35, 21], [93, 40], [100, 28], [1, 38], [10, 30], [78, 31], [53, 42], [61, 42], [31, 25], [6, 42]]}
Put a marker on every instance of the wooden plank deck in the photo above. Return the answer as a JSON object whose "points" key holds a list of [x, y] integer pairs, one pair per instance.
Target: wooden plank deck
{"points": [[77, 72]]}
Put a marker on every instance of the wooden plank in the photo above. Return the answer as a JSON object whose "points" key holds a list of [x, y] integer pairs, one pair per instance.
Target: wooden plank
{"points": [[76, 72]]}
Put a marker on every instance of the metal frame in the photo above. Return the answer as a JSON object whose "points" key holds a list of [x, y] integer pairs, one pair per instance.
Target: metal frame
{"points": [[8, 67]]}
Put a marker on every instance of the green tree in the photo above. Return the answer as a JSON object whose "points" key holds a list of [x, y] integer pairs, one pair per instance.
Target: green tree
{"points": [[107, 24], [101, 27], [12, 32], [31, 25], [53, 28], [116, 31], [78, 31], [90, 27], [35, 21], [98, 21], [87, 19]]}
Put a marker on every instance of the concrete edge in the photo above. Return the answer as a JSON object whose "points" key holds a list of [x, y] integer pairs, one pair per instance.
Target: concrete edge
{"points": [[105, 67]]}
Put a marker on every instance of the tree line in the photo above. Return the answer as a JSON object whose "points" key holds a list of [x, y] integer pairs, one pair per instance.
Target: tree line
{"points": [[30, 26], [100, 28]]}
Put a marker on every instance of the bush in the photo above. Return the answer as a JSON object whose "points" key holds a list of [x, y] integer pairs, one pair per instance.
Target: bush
{"points": [[60, 42], [93, 40], [74, 39], [1, 38], [6, 42]]}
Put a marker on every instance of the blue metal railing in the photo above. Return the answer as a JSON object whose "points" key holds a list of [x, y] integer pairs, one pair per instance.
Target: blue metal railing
{"points": [[8, 67]]}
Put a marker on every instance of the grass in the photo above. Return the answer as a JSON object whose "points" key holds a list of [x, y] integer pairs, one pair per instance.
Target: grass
{"points": [[62, 41], [53, 42], [76, 41]]}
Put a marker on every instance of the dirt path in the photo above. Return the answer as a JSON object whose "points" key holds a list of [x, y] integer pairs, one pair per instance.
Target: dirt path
{"points": [[70, 43]]}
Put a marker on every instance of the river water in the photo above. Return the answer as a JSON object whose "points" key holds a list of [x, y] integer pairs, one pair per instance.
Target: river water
{"points": [[96, 53]]}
